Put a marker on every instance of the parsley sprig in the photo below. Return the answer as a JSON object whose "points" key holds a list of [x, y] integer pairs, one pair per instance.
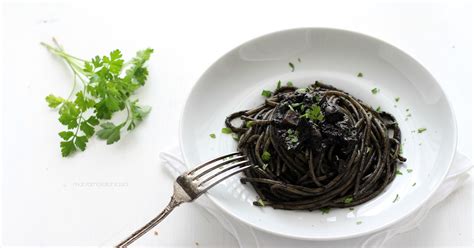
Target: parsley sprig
{"points": [[105, 86], [313, 113]]}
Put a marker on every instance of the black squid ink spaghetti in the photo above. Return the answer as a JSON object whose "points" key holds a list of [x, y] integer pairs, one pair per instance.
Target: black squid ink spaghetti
{"points": [[316, 147]]}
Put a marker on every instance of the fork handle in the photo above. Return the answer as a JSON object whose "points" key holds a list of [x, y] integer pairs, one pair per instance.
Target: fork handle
{"points": [[140, 232]]}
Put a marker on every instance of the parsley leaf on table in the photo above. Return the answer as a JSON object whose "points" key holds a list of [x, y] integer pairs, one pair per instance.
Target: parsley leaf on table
{"points": [[107, 84]]}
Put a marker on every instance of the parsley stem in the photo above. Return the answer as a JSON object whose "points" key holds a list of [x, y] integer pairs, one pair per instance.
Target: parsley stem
{"points": [[78, 126], [73, 87], [60, 51], [74, 66], [127, 106], [74, 70]]}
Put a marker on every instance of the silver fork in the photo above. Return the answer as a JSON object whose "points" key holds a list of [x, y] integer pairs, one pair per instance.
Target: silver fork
{"points": [[192, 184]]}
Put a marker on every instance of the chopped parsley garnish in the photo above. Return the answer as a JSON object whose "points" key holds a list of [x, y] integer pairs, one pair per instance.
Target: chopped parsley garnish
{"points": [[259, 203], [360, 74], [299, 60], [408, 115], [378, 109], [359, 222], [289, 84], [351, 209], [292, 66], [375, 91], [413, 185], [348, 200], [266, 156], [313, 113], [292, 136], [226, 130], [420, 130], [399, 172], [278, 84], [235, 137], [396, 198], [407, 110], [212, 135], [302, 107], [325, 210], [266, 93], [397, 99], [295, 105], [249, 124], [302, 90], [409, 170]]}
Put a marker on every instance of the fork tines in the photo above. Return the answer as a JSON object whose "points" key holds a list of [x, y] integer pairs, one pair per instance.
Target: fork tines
{"points": [[214, 171]]}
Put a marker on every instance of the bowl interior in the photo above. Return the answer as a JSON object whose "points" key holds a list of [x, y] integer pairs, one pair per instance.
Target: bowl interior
{"points": [[335, 57]]}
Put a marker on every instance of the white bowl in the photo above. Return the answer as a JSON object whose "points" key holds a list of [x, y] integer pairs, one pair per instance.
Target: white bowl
{"points": [[235, 81]]}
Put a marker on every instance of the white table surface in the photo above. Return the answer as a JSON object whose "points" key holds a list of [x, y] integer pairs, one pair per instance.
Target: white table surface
{"points": [[49, 200]]}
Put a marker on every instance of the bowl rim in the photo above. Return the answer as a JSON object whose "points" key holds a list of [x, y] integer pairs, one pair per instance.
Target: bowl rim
{"points": [[334, 237]]}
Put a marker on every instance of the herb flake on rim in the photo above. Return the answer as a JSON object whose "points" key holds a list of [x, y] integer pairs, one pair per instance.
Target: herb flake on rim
{"points": [[212, 135], [375, 91], [421, 130], [226, 130], [360, 74], [292, 66]]}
